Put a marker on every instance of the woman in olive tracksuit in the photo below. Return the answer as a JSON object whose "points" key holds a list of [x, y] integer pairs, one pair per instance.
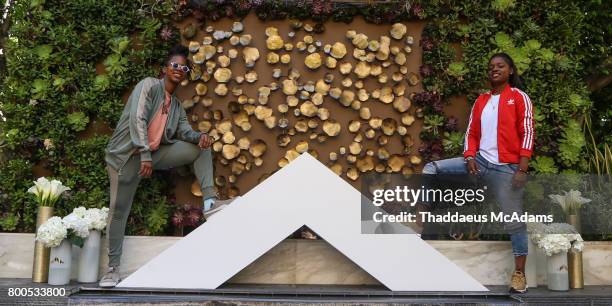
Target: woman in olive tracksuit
{"points": [[498, 146], [153, 133]]}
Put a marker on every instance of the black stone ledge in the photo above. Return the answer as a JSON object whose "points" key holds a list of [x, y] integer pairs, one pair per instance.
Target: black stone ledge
{"points": [[90, 294]]}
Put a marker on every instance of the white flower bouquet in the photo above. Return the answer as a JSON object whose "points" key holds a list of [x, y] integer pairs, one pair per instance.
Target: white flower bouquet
{"points": [[555, 238], [82, 220], [52, 232], [47, 192], [74, 227], [96, 218], [570, 201], [77, 227]]}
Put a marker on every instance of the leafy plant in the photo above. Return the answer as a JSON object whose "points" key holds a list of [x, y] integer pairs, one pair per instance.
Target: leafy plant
{"points": [[157, 218], [572, 143], [115, 64], [8, 222], [457, 70], [544, 165], [78, 121], [453, 143], [432, 124], [502, 5], [600, 155]]}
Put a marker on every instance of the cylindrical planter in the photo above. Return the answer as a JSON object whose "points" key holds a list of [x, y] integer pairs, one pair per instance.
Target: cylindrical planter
{"points": [[89, 259], [557, 273], [541, 266], [40, 265], [575, 221], [574, 263], [59, 264], [531, 268]]}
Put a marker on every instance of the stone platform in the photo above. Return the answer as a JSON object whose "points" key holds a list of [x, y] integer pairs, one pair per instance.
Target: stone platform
{"points": [[311, 262]]}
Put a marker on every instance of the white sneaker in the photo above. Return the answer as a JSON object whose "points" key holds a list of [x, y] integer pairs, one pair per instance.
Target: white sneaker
{"points": [[217, 206], [111, 278]]}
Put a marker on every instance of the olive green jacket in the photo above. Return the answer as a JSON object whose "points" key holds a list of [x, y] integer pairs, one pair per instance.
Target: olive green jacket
{"points": [[131, 132]]}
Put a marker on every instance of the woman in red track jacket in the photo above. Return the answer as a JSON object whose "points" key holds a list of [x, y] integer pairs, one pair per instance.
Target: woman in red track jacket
{"points": [[498, 145]]}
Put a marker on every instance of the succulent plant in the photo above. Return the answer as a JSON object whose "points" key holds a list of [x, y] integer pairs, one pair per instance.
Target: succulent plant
{"points": [[187, 215], [418, 11], [544, 165], [78, 121], [166, 33], [432, 124], [457, 70], [101, 82], [115, 64], [503, 41], [178, 218], [438, 106], [502, 5], [451, 124], [426, 98], [453, 143], [40, 87], [572, 143], [43, 52], [425, 70], [426, 43], [119, 44], [321, 7], [431, 149]]}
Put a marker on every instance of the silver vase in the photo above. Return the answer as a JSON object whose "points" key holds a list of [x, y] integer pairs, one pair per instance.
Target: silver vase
{"points": [[89, 258], [59, 264], [557, 272]]}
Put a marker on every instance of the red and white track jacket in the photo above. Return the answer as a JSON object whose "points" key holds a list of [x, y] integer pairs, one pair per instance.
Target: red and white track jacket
{"points": [[514, 126]]}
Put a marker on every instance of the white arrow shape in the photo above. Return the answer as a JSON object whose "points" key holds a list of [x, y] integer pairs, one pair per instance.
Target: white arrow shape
{"points": [[305, 192]]}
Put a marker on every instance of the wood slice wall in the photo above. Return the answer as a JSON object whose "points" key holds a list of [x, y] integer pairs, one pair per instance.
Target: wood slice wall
{"points": [[334, 32]]}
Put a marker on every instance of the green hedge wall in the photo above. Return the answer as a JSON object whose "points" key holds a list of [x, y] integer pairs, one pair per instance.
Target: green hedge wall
{"points": [[68, 63]]}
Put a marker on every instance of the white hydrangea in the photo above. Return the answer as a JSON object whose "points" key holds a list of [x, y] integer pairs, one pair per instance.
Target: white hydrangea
{"points": [[577, 242], [52, 232], [554, 243], [555, 238], [80, 211], [96, 218], [77, 224]]}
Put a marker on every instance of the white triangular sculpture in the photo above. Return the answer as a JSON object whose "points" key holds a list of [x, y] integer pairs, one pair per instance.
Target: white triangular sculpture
{"points": [[305, 192]]}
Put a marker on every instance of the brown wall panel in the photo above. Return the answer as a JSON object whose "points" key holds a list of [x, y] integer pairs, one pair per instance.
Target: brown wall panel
{"points": [[334, 32]]}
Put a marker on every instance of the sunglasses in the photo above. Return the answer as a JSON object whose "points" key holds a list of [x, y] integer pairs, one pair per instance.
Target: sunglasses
{"points": [[177, 66]]}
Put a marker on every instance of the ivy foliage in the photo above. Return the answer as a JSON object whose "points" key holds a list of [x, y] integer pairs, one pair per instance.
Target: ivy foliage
{"points": [[68, 63]]}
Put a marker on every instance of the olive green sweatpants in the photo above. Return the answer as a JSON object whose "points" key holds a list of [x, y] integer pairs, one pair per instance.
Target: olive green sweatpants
{"points": [[123, 186]]}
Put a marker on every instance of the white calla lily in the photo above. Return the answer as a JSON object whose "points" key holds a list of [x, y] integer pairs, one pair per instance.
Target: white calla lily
{"points": [[47, 192], [570, 201]]}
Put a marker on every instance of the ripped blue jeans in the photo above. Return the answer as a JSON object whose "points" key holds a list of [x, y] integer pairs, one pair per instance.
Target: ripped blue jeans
{"points": [[499, 177]]}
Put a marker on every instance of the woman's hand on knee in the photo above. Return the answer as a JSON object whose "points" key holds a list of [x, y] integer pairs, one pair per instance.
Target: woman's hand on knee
{"points": [[146, 169], [205, 141]]}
